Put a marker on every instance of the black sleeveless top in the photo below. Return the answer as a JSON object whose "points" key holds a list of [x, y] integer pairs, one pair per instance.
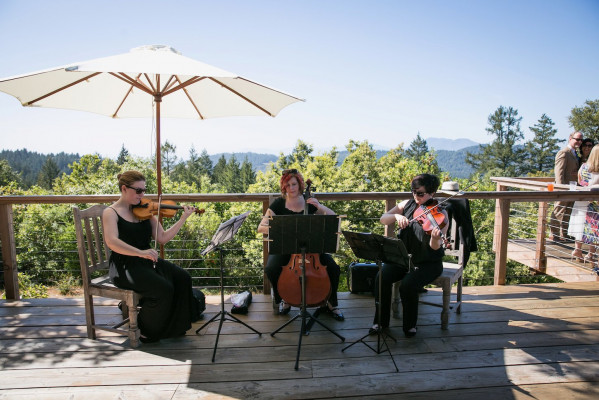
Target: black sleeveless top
{"points": [[416, 240], [278, 207], [136, 234]]}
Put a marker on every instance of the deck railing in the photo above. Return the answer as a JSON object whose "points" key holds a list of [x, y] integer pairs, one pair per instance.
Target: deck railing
{"points": [[535, 190]]}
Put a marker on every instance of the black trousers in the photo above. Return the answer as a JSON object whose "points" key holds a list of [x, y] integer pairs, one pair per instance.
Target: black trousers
{"points": [[274, 266], [411, 282]]}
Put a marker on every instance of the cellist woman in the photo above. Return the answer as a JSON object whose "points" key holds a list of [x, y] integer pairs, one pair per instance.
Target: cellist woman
{"points": [[424, 246], [167, 300], [292, 202]]}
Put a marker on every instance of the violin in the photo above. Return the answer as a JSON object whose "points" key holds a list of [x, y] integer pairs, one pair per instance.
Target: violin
{"points": [[148, 208], [318, 285], [429, 216]]}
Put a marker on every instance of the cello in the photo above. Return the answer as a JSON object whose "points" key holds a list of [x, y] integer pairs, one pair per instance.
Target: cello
{"points": [[318, 284]]}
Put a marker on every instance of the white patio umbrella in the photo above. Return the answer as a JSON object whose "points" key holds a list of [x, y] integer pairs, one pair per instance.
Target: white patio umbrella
{"points": [[125, 85]]}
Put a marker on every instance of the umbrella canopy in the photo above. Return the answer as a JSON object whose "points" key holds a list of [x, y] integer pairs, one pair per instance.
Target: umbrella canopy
{"points": [[125, 86]]}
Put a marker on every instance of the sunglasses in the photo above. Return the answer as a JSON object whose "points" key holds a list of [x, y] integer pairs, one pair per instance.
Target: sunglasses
{"points": [[418, 194], [290, 171], [137, 190], [578, 140], [588, 145]]}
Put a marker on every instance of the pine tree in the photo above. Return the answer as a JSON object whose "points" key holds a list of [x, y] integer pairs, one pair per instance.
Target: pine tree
{"points": [[122, 158], [418, 148], [586, 119], [169, 159], [219, 169], [205, 163], [48, 173], [503, 156], [542, 148], [248, 176]]}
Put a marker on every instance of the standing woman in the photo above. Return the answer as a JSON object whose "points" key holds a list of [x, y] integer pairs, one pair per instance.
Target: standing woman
{"points": [[292, 202], [590, 232], [579, 209], [426, 261], [167, 301]]}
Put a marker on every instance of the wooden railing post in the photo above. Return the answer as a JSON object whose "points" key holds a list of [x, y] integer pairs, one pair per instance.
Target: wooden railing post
{"points": [[265, 281], [540, 256], [502, 219], [9, 252]]}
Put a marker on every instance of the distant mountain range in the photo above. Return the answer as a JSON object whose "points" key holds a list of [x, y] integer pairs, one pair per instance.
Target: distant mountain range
{"points": [[449, 144], [450, 157]]}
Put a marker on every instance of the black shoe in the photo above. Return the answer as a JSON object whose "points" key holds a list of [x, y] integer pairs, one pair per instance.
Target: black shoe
{"points": [[411, 333], [337, 316], [284, 308], [146, 340]]}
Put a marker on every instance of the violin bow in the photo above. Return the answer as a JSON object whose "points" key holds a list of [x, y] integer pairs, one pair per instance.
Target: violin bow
{"points": [[156, 233]]}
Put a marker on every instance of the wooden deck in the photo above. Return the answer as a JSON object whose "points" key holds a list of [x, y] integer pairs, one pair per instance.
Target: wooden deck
{"points": [[510, 342], [559, 261]]}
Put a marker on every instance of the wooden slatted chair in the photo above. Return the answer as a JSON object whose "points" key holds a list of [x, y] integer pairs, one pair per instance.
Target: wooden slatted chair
{"points": [[93, 257], [452, 273]]}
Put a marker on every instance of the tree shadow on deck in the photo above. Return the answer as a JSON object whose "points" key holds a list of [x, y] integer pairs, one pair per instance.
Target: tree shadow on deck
{"points": [[511, 342]]}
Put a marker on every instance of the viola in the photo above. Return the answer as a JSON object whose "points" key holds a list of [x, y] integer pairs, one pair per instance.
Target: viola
{"points": [[430, 217], [148, 208], [318, 284]]}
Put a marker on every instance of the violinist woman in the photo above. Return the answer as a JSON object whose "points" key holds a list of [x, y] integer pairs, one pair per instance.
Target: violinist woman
{"points": [[167, 301], [425, 248], [292, 202]]}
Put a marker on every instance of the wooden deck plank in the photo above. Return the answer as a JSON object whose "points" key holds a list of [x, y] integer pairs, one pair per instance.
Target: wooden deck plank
{"points": [[511, 342]]}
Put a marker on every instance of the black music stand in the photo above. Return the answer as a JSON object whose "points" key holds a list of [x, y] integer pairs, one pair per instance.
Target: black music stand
{"points": [[381, 249], [294, 234], [224, 233]]}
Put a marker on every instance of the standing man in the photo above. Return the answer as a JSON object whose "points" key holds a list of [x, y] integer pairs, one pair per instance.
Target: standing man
{"points": [[567, 163]]}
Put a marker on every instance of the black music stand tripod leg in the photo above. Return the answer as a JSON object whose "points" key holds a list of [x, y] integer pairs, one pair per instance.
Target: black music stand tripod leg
{"points": [[303, 314], [224, 233], [381, 334]]}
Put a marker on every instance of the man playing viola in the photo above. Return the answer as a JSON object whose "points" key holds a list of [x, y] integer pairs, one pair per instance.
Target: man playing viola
{"points": [[425, 248]]}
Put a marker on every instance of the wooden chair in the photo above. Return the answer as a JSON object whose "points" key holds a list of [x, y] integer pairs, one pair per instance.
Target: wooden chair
{"points": [[452, 273], [93, 257]]}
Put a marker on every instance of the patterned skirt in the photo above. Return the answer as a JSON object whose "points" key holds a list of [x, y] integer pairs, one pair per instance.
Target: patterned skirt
{"points": [[590, 232]]}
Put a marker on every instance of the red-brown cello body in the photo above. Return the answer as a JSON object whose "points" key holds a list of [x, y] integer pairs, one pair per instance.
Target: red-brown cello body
{"points": [[318, 284]]}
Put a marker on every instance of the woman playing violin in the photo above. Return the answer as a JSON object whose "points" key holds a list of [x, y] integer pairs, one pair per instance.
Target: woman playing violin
{"points": [[167, 301], [292, 202], [424, 246]]}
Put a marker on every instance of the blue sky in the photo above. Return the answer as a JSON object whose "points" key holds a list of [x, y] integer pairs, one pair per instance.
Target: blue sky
{"points": [[380, 71]]}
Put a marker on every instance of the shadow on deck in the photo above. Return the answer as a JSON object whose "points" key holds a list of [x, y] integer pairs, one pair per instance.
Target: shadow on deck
{"points": [[511, 342]]}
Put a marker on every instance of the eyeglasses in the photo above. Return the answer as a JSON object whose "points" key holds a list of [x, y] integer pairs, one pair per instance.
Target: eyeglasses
{"points": [[577, 139], [137, 190], [290, 171], [418, 194], [588, 145]]}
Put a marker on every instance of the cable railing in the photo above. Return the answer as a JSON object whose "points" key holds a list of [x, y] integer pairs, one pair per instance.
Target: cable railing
{"points": [[513, 219]]}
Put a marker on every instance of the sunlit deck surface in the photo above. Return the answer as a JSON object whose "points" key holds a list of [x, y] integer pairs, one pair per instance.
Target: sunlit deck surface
{"points": [[510, 342]]}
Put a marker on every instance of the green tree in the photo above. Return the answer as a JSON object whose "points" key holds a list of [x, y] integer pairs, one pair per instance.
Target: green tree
{"points": [[123, 154], [230, 179], [219, 169], [247, 175], [168, 157], [542, 148], [502, 156], [205, 163], [418, 148], [48, 173], [7, 175], [586, 119]]}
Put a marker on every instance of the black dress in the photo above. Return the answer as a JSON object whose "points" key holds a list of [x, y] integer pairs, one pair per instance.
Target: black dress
{"points": [[166, 292], [427, 265], [275, 262]]}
